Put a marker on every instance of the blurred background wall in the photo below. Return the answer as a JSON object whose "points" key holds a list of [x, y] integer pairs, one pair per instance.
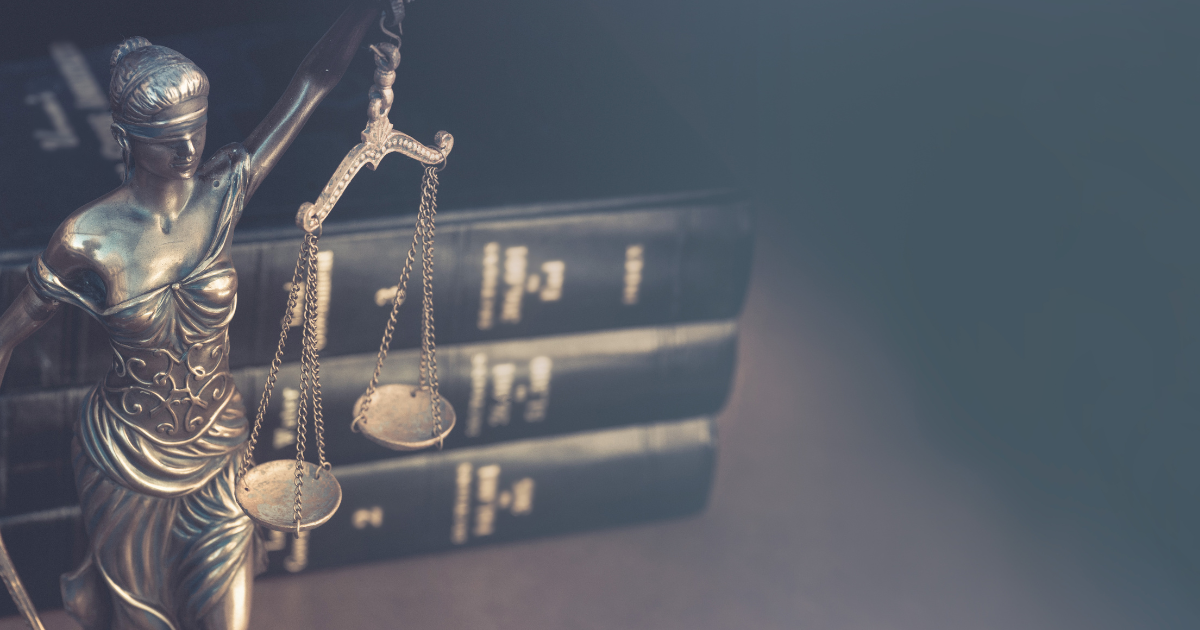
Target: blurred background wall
{"points": [[1003, 195]]}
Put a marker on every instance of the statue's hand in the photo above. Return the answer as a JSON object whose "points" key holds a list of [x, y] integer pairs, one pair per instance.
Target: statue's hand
{"points": [[387, 57], [395, 12]]}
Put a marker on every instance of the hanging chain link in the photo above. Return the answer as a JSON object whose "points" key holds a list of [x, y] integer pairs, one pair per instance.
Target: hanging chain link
{"points": [[390, 329], [305, 384], [423, 236], [429, 376], [310, 376], [311, 347], [422, 233], [310, 379], [273, 373]]}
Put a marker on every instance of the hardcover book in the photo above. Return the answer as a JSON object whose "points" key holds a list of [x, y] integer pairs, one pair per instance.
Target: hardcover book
{"points": [[446, 500], [499, 274], [502, 391]]}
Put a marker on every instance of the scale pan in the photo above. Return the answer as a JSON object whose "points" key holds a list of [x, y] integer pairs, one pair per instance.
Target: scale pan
{"points": [[401, 418], [267, 493]]}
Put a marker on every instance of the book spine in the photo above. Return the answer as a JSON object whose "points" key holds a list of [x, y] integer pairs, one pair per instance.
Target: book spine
{"points": [[501, 391], [452, 499], [48, 358], [505, 279], [35, 446], [559, 273], [439, 501], [43, 545]]}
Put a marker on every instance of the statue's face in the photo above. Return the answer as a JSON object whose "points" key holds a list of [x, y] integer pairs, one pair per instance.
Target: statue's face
{"points": [[175, 156]]}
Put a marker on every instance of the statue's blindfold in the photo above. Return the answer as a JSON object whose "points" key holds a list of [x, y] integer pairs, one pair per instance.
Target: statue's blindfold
{"points": [[166, 130]]}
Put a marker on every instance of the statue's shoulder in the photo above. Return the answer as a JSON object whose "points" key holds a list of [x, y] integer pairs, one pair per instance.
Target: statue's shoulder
{"points": [[83, 235], [224, 161]]}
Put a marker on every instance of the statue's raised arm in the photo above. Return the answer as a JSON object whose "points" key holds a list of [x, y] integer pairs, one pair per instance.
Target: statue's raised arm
{"points": [[318, 74]]}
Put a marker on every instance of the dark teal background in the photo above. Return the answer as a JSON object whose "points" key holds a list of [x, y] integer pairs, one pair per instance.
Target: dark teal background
{"points": [[1001, 197]]}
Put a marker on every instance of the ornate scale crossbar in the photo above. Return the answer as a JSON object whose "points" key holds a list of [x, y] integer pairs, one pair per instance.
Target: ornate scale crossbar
{"points": [[298, 495]]}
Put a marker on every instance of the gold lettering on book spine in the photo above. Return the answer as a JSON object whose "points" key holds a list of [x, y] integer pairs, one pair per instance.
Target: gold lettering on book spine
{"points": [[487, 288], [634, 262], [515, 263], [540, 369], [478, 400], [462, 503], [552, 288]]}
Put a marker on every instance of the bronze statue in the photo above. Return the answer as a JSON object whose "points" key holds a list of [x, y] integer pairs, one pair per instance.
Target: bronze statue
{"points": [[160, 439]]}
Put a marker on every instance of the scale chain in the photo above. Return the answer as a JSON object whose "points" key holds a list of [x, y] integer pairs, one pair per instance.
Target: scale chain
{"points": [[301, 424], [310, 385], [273, 373], [305, 376], [423, 233], [389, 330], [315, 368], [420, 236], [429, 186]]}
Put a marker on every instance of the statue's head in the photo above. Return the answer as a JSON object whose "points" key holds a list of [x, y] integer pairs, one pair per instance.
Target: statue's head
{"points": [[159, 101]]}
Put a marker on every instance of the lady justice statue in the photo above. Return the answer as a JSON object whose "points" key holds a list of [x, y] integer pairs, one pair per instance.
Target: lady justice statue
{"points": [[158, 442]]}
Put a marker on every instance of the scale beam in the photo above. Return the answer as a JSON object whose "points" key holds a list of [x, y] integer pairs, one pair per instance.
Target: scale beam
{"points": [[378, 139]]}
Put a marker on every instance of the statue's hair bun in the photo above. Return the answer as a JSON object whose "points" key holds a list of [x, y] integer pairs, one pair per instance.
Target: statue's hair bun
{"points": [[126, 47]]}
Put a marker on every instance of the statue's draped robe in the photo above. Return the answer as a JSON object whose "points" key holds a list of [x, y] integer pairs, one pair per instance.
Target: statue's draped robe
{"points": [[159, 440]]}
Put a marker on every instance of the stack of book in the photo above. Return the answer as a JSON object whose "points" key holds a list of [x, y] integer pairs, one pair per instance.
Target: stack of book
{"points": [[590, 266]]}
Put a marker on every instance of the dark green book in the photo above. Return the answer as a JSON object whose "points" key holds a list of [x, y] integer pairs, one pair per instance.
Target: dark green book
{"points": [[502, 391], [445, 500]]}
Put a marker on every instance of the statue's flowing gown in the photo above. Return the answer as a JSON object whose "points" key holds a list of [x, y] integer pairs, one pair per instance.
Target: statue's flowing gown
{"points": [[159, 440]]}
